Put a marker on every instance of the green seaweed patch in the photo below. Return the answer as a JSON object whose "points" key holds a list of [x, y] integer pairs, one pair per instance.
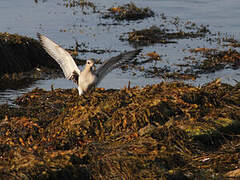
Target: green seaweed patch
{"points": [[213, 132], [224, 122], [128, 12], [200, 131]]}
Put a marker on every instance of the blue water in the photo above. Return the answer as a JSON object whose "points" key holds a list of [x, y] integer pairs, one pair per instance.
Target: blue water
{"points": [[65, 25]]}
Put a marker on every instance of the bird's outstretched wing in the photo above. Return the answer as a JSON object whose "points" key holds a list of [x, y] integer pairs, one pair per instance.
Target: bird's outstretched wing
{"points": [[113, 63], [63, 58]]}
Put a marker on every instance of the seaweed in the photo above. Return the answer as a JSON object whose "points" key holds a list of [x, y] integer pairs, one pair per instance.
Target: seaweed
{"points": [[128, 12], [20, 53], [156, 34], [162, 131], [80, 3], [217, 60]]}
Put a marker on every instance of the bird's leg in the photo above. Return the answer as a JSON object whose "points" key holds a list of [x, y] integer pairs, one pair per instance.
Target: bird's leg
{"points": [[80, 91]]}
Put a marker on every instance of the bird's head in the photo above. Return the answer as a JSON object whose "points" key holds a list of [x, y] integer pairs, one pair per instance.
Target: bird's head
{"points": [[90, 63]]}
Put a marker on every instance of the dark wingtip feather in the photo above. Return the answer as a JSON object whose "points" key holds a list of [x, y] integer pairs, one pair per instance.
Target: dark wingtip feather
{"points": [[39, 36]]}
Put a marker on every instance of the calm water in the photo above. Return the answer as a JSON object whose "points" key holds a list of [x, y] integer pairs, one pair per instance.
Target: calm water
{"points": [[51, 18]]}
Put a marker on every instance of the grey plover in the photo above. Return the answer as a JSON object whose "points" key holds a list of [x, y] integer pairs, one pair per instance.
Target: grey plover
{"points": [[88, 77]]}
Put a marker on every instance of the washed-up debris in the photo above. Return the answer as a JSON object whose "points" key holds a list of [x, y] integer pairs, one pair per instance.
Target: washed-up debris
{"points": [[166, 130], [128, 12]]}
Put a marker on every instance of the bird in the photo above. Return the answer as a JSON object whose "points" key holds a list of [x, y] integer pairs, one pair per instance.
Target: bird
{"points": [[88, 78]]}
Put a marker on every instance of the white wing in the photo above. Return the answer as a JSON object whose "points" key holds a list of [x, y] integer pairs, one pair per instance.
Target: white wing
{"points": [[63, 58], [114, 62]]}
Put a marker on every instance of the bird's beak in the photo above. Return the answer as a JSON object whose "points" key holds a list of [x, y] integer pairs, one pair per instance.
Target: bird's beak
{"points": [[94, 67]]}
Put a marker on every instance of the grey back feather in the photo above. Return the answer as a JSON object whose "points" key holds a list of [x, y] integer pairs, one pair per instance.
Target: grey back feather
{"points": [[114, 62]]}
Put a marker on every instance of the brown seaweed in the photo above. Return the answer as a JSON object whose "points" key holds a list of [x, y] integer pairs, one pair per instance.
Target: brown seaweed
{"points": [[156, 34], [162, 131], [217, 60], [128, 12]]}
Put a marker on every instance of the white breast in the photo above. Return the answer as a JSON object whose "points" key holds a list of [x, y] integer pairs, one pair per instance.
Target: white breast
{"points": [[85, 80]]}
